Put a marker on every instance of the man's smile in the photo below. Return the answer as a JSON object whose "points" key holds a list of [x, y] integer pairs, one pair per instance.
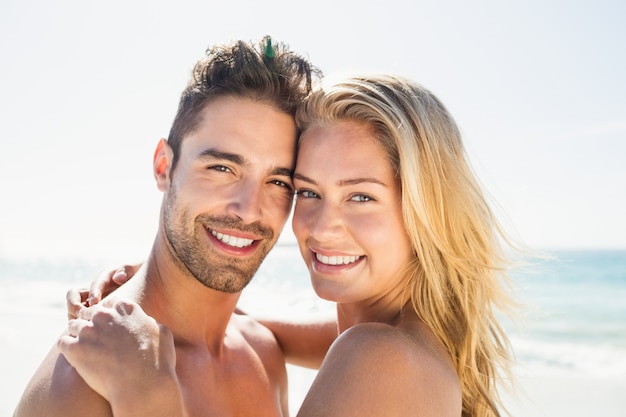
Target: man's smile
{"points": [[235, 241]]}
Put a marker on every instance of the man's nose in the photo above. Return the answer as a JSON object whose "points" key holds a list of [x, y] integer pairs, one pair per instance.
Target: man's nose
{"points": [[246, 201]]}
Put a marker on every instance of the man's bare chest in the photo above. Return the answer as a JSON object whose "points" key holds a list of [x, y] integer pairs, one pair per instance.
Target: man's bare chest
{"points": [[237, 384]]}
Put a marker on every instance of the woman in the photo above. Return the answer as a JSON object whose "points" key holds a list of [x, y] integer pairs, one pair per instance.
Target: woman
{"points": [[395, 229]]}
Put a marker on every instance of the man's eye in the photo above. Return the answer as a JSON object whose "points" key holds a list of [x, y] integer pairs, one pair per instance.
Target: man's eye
{"points": [[307, 194], [220, 168], [281, 184]]}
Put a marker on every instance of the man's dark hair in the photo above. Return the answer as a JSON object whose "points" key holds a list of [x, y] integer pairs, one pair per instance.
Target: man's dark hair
{"points": [[266, 71]]}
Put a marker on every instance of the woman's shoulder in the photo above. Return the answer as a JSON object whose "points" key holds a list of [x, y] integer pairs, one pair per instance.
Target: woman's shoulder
{"points": [[413, 351], [386, 369]]}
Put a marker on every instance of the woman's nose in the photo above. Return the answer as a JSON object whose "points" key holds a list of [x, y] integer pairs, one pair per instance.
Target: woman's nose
{"points": [[326, 223]]}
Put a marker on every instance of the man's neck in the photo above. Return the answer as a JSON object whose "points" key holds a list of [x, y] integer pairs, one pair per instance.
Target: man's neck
{"points": [[194, 313]]}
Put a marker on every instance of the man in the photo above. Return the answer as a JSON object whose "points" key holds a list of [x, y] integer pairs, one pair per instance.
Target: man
{"points": [[225, 173]]}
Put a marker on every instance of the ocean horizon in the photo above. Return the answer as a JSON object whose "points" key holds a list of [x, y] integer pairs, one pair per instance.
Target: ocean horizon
{"points": [[573, 316], [572, 324]]}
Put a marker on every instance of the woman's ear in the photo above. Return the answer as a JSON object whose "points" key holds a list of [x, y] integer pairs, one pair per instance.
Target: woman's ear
{"points": [[162, 163]]}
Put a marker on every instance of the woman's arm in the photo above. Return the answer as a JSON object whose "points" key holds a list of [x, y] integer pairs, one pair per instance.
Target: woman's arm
{"points": [[304, 342]]}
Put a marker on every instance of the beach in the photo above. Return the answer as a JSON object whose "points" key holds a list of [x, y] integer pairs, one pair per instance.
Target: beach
{"points": [[565, 366]]}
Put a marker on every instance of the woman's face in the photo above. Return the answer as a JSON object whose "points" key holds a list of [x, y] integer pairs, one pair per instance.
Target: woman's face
{"points": [[348, 215]]}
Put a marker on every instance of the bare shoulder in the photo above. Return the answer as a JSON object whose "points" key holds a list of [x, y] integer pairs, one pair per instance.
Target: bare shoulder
{"points": [[377, 369], [254, 332], [267, 353], [56, 389], [384, 342], [261, 340]]}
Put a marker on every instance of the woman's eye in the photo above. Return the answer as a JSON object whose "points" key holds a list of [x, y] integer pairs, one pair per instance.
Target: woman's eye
{"points": [[307, 194], [361, 198]]}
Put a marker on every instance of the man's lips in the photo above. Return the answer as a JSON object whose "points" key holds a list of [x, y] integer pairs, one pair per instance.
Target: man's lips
{"points": [[235, 242], [230, 240]]}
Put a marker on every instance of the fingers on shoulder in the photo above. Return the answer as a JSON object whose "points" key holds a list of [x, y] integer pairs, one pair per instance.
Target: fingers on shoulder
{"points": [[66, 343], [98, 315], [164, 331], [126, 307], [111, 307]]}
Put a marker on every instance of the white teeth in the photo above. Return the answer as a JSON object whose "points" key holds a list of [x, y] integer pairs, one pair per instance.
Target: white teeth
{"points": [[336, 260], [232, 240]]}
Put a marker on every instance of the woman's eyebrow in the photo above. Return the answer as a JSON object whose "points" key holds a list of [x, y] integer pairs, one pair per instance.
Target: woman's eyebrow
{"points": [[352, 181], [301, 177], [355, 181]]}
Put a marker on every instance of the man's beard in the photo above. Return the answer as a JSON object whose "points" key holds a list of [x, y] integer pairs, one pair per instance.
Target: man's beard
{"points": [[214, 270]]}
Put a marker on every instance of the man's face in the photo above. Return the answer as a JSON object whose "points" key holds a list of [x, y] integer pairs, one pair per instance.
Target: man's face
{"points": [[231, 191]]}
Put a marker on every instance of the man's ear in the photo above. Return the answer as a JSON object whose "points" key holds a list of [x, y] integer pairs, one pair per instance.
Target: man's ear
{"points": [[162, 163]]}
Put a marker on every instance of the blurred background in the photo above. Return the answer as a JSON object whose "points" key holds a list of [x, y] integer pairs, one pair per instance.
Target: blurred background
{"points": [[87, 88]]}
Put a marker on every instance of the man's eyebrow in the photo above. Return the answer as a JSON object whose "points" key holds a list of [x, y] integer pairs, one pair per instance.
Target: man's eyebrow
{"points": [[286, 172], [214, 153], [239, 160], [352, 181]]}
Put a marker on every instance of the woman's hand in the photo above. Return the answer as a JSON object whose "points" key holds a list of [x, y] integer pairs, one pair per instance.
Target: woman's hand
{"points": [[103, 285], [125, 356]]}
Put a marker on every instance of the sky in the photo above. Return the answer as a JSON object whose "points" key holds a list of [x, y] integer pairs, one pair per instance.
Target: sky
{"points": [[88, 87]]}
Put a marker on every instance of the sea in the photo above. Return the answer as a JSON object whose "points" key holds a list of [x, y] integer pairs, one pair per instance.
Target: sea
{"points": [[573, 313], [572, 317]]}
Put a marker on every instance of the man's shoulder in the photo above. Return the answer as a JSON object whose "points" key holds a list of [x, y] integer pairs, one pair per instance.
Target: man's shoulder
{"points": [[252, 330], [56, 389], [260, 340]]}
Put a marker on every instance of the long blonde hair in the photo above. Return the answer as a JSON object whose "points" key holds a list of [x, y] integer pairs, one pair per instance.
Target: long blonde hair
{"points": [[457, 275]]}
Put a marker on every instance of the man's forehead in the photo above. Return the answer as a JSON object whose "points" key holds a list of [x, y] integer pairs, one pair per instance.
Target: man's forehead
{"points": [[251, 130]]}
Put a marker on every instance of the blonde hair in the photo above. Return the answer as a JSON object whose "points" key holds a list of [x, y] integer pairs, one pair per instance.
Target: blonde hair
{"points": [[457, 276]]}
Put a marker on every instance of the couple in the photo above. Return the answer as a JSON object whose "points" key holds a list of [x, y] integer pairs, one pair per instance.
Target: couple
{"points": [[390, 221]]}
